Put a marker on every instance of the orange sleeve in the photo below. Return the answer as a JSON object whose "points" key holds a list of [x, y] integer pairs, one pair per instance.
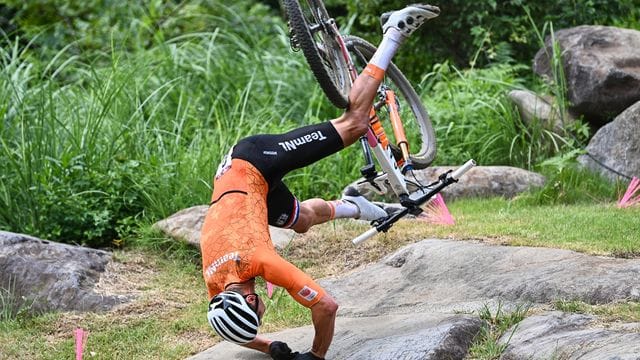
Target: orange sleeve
{"points": [[280, 272]]}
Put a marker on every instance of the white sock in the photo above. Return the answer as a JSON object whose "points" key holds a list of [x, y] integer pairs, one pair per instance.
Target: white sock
{"points": [[391, 40], [341, 209]]}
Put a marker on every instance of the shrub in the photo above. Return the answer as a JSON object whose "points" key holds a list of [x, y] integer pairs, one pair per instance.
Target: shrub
{"points": [[91, 143], [473, 118], [498, 31]]}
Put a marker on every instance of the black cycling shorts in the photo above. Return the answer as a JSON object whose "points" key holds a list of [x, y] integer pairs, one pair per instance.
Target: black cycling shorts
{"points": [[276, 155]]}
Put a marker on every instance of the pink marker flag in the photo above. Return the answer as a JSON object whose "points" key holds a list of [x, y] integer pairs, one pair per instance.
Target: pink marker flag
{"points": [[269, 289], [81, 340], [436, 212], [631, 196]]}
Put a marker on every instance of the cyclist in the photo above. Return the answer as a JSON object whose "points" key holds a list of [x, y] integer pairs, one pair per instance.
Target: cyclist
{"points": [[249, 195]]}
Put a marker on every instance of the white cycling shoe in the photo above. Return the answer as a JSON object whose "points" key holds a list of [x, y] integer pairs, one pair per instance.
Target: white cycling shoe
{"points": [[368, 210], [409, 19]]}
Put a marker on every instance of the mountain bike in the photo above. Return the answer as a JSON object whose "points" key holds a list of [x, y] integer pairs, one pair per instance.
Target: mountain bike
{"points": [[336, 60]]}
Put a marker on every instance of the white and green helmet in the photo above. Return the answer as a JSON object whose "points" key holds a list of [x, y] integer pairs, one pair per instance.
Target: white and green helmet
{"points": [[233, 318]]}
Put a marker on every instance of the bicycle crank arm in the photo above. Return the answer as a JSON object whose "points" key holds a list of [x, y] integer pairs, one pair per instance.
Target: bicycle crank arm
{"points": [[412, 206]]}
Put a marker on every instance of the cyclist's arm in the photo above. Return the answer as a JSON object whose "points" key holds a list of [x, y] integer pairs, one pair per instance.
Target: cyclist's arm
{"points": [[308, 293], [259, 343], [323, 315]]}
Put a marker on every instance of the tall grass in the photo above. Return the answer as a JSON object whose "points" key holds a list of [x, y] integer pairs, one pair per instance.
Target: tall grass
{"points": [[84, 157], [94, 142], [473, 118]]}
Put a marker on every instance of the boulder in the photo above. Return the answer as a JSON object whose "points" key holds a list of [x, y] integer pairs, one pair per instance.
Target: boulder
{"points": [[413, 336], [558, 335], [602, 69], [42, 275], [185, 225], [422, 302], [450, 276], [480, 181], [614, 151], [534, 108]]}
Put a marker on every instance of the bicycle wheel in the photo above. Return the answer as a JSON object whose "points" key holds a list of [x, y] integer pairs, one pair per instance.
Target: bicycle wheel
{"points": [[416, 122], [313, 33]]}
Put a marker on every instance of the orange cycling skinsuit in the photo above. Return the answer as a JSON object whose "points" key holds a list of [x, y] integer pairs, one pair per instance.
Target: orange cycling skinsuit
{"points": [[248, 196]]}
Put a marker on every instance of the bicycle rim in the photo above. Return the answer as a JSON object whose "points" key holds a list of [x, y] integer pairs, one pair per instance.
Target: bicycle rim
{"points": [[308, 21], [415, 118]]}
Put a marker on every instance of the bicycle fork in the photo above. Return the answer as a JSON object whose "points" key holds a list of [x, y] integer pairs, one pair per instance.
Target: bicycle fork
{"points": [[376, 140]]}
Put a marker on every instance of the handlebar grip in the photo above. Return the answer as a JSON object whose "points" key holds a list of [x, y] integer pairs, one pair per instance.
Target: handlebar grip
{"points": [[365, 235], [463, 169]]}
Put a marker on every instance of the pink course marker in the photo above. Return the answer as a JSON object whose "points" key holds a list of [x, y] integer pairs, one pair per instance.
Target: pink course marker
{"points": [[436, 212], [81, 339], [269, 289], [631, 196]]}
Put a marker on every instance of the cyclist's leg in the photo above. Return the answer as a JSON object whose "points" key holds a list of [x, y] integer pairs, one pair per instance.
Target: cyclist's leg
{"points": [[277, 154], [398, 26], [284, 210]]}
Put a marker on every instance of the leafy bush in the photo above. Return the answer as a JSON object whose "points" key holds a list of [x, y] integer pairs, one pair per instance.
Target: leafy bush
{"points": [[116, 113], [87, 149], [498, 31], [473, 118]]}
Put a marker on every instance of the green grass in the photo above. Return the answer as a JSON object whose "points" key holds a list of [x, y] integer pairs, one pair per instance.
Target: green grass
{"points": [[104, 131], [496, 323], [589, 228], [616, 312], [169, 319]]}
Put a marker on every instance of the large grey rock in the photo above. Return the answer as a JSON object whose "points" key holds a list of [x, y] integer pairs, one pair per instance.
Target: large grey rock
{"points": [[465, 276], [413, 336], [407, 305], [480, 181], [615, 148], [558, 335], [45, 276], [602, 68], [185, 225], [533, 107]]}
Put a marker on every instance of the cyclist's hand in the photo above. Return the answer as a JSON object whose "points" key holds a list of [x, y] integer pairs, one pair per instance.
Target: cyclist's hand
{"points": [[281, 351], [307, 356]]}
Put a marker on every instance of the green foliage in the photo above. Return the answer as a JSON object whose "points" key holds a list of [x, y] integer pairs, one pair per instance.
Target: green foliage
{"points": [[88, 149], [474, 118], [568, 183], [500, 29], [115, 114], [106, 25], [486, 345]]}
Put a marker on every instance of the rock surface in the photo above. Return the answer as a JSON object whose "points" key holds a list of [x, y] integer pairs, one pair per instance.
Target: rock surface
{"points": [[480, 181], [558, 335], [534, 108], [420, 291], [185, 225], [462, 275], [602, 69], [413, 336], [615, 148], [46, 276]]}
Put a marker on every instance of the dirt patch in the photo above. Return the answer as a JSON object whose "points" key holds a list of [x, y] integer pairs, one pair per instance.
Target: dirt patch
{"points": [[128, 274], [326, 249], [154, 293]]}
